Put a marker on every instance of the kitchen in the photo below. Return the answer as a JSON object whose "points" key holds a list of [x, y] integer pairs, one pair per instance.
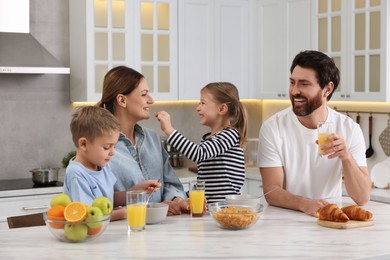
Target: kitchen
{"points": [[36, 108]]}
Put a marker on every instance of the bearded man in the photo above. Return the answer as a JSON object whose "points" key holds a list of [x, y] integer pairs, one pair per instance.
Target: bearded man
{"points": [[288, 156]]}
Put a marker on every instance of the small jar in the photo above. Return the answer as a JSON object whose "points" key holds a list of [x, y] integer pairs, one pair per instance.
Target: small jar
{"points": [[168, 148], [170, 159], [175, 158], [163, 143]]}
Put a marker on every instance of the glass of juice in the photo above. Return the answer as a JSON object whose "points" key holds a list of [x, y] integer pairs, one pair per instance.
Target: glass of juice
{"points": [[197, 198], [136, 210], [324, 130]]}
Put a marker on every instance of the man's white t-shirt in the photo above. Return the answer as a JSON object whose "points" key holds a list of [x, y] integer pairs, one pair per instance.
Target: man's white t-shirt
{"points": [[285, 142]]}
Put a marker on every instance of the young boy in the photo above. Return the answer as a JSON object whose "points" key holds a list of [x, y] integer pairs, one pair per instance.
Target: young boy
{"points": [[95, 131]]}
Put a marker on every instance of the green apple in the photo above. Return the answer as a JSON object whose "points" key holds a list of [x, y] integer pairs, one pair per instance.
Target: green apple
{"points": [[76, 232], [104, 204], [60, 199], [94, 214]]}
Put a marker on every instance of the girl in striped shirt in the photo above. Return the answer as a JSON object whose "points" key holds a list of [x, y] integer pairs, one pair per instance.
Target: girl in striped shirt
{"points": [[220, 155]]}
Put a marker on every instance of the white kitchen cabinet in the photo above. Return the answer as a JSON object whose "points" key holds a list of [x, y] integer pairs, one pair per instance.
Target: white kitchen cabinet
{"points": [[355, 34], [283, 29], [252, 187], [108, 33], [23, 205], [215, 45]]}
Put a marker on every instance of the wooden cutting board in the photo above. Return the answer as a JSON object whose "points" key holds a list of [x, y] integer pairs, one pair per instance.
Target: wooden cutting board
{"points": [[345, 225]]}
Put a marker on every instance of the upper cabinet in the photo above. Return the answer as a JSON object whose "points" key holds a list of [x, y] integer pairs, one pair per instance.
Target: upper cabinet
{"points": [[108, 33], [354, 33], [180, 46], [214, 45], [158, 49], [283, 29]]}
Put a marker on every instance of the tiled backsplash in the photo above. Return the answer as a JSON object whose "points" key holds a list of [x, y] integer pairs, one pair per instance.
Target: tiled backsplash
{"points": [[185, 119], [35, 112]]}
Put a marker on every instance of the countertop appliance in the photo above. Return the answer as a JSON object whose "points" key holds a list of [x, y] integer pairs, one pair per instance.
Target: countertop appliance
{"points": [[20, 184], [20, 52]]}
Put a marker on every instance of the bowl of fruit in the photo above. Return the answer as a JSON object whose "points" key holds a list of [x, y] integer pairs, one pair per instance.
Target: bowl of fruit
{"points": [[75, 221]]}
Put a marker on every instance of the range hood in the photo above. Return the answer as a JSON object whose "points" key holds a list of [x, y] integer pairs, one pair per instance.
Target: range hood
{"points": [[20, 52]]}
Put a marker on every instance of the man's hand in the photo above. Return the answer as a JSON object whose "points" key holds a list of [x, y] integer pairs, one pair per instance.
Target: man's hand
{"points": [[336, 148], [311, 207]]}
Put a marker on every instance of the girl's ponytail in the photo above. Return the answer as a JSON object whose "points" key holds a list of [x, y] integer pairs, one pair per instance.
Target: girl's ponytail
{"points": [[240, 122]]}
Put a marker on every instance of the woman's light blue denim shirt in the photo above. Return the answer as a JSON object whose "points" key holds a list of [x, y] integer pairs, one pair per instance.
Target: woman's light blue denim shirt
{"points": [[147, 160]]}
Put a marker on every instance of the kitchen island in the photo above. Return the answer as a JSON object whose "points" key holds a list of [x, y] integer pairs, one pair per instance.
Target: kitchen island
{"points": [[279, 233]]}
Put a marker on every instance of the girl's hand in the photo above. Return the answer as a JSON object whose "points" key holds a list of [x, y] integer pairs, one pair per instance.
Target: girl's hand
{"points": [[165, 122], [311, 207]]}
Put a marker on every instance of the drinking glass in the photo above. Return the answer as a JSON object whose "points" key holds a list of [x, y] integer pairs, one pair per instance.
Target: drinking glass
{"points": [[136, 210], [197, 195], [324, 130]]}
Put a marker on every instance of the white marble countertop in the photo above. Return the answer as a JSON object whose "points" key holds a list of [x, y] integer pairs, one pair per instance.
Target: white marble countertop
{"points": [[31, 192], [278, 234], [381, 195], [183, 173]]}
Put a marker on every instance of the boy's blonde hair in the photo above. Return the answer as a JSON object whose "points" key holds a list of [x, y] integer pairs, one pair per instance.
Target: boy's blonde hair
{"points": [[91, 122]]}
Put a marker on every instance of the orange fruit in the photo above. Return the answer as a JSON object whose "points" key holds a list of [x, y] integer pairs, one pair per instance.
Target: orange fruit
{"points": [[94, 231], [56, 213], [75, 212]]}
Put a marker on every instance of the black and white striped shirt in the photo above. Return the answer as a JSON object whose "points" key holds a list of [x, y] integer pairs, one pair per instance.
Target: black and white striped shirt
{"points": [[220, 161]]}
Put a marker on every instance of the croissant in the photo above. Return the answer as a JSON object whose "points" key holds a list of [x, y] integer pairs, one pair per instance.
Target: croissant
{"points": [[331, 212], [356, 213]]}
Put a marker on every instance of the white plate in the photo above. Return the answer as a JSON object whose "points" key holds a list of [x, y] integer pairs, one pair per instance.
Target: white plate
{"points": [[380, 174]]}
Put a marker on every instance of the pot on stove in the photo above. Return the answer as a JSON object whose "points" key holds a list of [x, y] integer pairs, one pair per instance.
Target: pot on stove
{"points": [[45, 176]]}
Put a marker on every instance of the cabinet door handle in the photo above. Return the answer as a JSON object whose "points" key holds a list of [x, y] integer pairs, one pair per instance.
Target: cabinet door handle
{"points": [[35, 208]]}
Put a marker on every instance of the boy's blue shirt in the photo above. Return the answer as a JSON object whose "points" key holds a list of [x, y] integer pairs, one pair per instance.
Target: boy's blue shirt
{"points": [[84, 185]]}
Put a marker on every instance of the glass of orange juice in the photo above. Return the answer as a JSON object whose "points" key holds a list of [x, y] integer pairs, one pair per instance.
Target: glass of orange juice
{"points": [[197, 198], [136, 210], [324, 130]]}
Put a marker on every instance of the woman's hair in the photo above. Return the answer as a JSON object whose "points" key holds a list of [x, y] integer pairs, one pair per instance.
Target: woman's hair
{"points": [[91, 122], [322, 64], [227, 93], [119, 80]]}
